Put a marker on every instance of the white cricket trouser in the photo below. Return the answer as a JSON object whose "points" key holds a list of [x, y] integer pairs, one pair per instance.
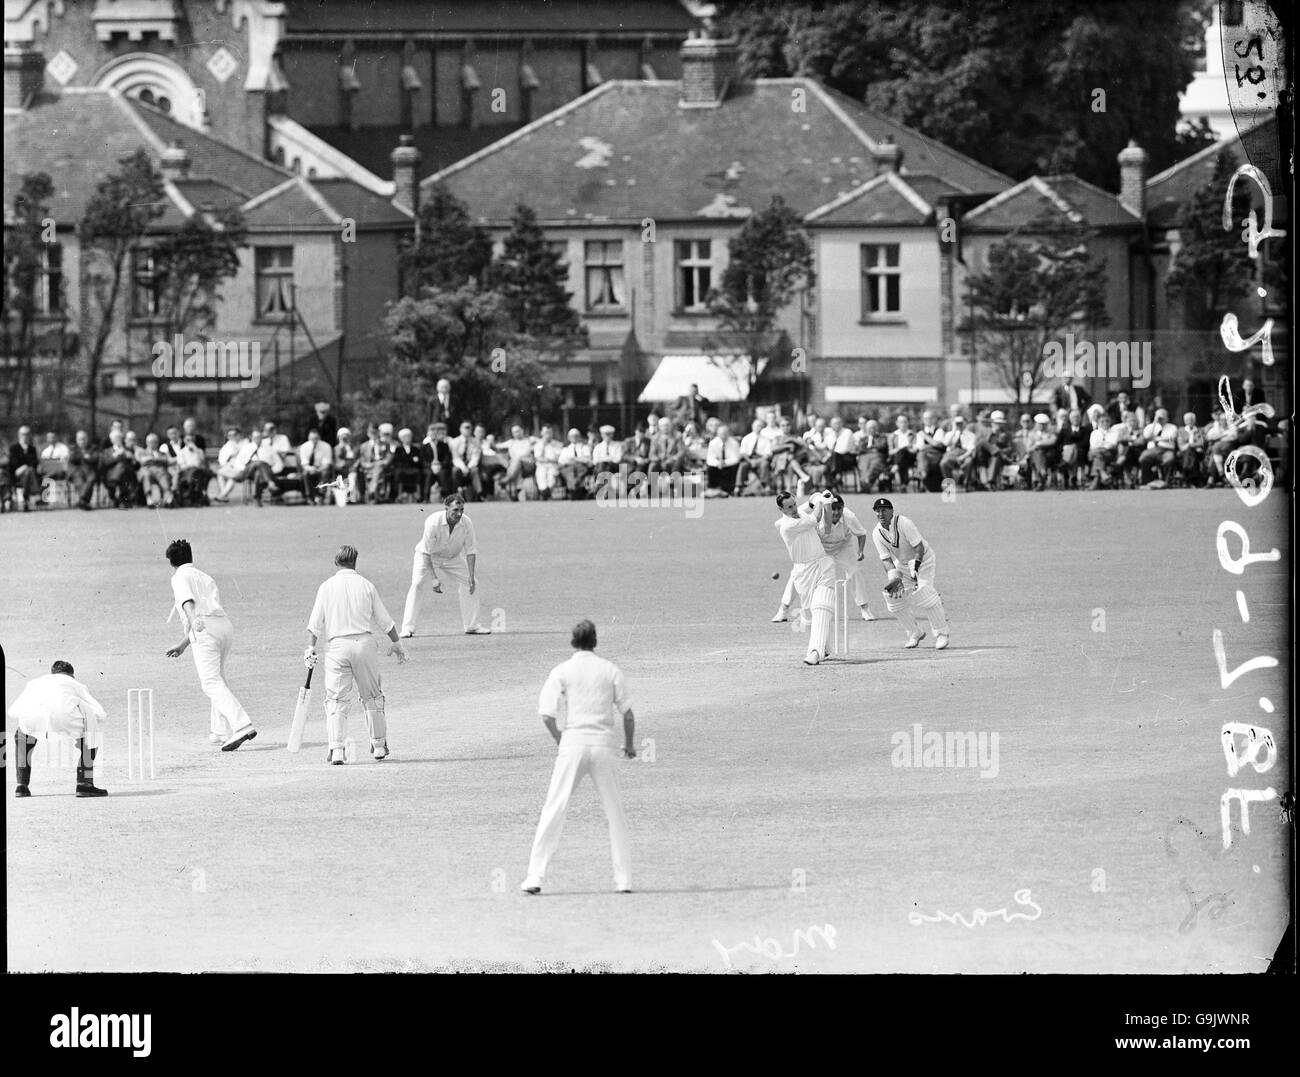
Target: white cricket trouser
{"points": [[848, 567], [423, 568], [572, 761], [211, 648], [807, 576], [349, 661]]}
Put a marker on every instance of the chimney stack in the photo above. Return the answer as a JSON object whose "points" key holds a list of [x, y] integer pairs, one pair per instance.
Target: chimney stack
{"points": [[406, 162], [889, 157], [175, 162], [708, 68], [24, 75], [1133, 178]]}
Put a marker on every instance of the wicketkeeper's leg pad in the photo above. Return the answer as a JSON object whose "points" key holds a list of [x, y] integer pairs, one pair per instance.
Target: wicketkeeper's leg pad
{"points": [[901, 608], [927, 599]]}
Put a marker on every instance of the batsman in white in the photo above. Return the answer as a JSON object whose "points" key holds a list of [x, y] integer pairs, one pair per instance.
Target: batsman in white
{"points": [[588, 691], [837, 531], [448, 546], [814, 569], [347, 611], [59, 706], [908, 560], [209, 631]]}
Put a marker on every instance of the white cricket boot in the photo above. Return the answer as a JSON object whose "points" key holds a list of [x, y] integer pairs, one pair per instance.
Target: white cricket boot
{"points": [[913, 639]]}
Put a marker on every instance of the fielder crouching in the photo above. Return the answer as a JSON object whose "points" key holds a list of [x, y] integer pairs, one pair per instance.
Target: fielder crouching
{"points": [[347, 610], [59, 706]]}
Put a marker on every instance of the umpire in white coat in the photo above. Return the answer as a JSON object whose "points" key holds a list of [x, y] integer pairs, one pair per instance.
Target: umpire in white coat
{"points": [[587, 691], [347, 611], [450, 547]]}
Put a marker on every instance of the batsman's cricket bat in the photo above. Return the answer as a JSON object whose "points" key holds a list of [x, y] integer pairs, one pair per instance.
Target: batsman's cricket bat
{"points": [[300, 715]]}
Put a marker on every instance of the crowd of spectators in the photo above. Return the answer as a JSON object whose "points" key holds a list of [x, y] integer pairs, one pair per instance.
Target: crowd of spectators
{"points": [[1120, 445]]}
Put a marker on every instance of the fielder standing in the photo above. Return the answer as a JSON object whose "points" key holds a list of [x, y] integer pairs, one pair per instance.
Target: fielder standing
{"points": [[814, 570], [347, 610], [908, 557], [59, 706], [448, 546], [588, 691], [209, 630]]}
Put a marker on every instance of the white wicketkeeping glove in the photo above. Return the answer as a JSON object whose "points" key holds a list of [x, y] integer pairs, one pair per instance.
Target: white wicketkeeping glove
{"points": [[309, 658]]}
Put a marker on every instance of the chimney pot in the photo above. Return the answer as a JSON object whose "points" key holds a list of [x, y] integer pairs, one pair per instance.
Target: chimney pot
{"points": [[1133, 178], [708, 68], [406, 163]]}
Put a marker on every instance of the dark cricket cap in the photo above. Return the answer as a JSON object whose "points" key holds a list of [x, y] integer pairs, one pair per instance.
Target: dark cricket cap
{"points": [[881, 503]]}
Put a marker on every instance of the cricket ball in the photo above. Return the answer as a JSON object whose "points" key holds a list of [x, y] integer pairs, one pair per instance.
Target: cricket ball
{"points": [[776, 575]]}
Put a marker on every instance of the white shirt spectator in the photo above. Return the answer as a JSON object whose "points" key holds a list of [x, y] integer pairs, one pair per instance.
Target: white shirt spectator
{"points": [[519, 448], [587, 693], [755, 443], [575, 452], [1161, 435], [190, 456], [57, 451], [607, 452], [444, 544], [842, 442], [322, 456], [268, 454], [465, 451], [347, 604], [236, 453], [192, 584], [723, 455]]}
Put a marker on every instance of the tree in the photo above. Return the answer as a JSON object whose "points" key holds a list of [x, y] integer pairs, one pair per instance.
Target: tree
{"points": [[1011, 84], [530, 278], [1040, 284], [1212, 270], [190, 265], [770, 261], [25, 251], [118, 217], [448, 247]]}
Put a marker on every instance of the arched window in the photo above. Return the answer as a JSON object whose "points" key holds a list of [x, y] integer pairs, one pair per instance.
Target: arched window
{"points": [[158, 82]]}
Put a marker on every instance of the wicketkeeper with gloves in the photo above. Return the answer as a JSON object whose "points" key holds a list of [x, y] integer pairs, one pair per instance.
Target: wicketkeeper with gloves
{"points": [[347, 612], [909, 567]]}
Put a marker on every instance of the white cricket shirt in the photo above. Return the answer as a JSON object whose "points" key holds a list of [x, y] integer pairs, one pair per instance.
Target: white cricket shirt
{"points": [[900, 541], [347, 604], [189, 583], [442, 543], [588, 693], [799, 533]]}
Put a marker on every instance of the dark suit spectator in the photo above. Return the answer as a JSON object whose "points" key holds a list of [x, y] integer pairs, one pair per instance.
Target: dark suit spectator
{"points": [[931, 446], [443, 405], [1073, 443], [691, 408], [376, 462], [190, 429], [1191, 450], [116, 426], [324, 423], [436, 463], [25, 468], [407, 466], [667, 451], [873, 456], [83, 469], [999, 449], [1071, 397], [118, 467], [1117, 407]]}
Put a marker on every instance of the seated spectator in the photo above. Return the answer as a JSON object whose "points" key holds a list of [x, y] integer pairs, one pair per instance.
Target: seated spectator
{"points": [[24, 468], [931, 444], [520, 463], [192, 474], [54, 458], [435, 463], [6, 487], [546, 451], [607, 456], [118, 470], [788, 455], [1132, 444], [960, 446], [155, 473], [1073, 441], [819, 461], [997, 450], [171, 442], [266, 467], [1043, 453], [1021, 444], [1161, 438], [466, 454], [902, 453], [696, 448], [491, 461], [1220, 442], [722, 463], [1117, 407], [1103, 453], [116, 425], [83, 469], [667, 451], [233, 459], [346, 457], [873, 456], [754, 473], [190, 429], [574, 465], [376, 463], [407, 467], [316, 463], [1190, 444]]}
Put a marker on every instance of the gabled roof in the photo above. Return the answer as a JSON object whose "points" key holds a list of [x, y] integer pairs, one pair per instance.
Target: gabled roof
{"points": [[1066, 197], [78, 136], [887, 199], [1169, 191], [513, 19], [626, 151]]}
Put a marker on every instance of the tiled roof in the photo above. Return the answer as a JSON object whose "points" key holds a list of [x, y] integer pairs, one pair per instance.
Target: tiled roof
{"points": [[886, 200], [512, 18], [1066, 197], [626, 151], [201, 192], [440, 146], [290, 205], [365, 207]]}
